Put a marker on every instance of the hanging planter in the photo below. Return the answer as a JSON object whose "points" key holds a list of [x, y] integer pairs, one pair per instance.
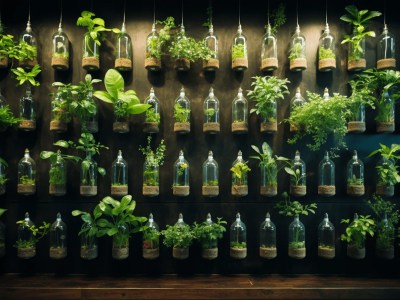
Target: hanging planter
{"points": [[153, 51], [153, 116], [180, 185], [238, 239], [88, 235], [61, 106], [326, 177], [296, 102], [267, 247], [119, 176], [296, 169], [3, 176], [210, 186], [182, 113], [58, 239], [28, 46], [239, 113], [26, 175], [123, 49], [326, 239], [239, 51], [60, 50], [211, 113], [151, 240], [326, 51], [355, 176], [7, 118], [211, 63], [297, 52], [239, 171], [386, 50]]}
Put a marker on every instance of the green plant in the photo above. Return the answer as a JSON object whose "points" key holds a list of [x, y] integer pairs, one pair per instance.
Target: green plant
{"points": [[189, 48], [238, 51], [181, 114], [207, 233], [296, 51], [23, 76], [37, 234], [361, 95], [7, 118], [24, 179], [209, 113], [388, 171], [19, 51], [178, 235], [324, 53], [238, 245], [90, 230], [212, 182], [278, 18], [157, 44], [61, 104], [239, 172], [6, 44], [152, 116], [359, 19], [357, 231], [355, 181], [2, 211], [266, 91], [151, 238], [125, 102], [153, 159]]}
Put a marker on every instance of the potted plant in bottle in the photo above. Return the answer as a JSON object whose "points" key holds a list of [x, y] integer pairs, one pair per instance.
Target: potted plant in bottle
{"points": [[3, 176], [151, 239], [7, 45], [239, 171], [125, 102], [266, 92], [61, 114], [7, 118], [208, 233], [211, 42]]}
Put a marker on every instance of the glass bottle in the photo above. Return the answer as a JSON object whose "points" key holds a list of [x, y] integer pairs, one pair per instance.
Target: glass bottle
{"points": [[268, 238], [3, 176], [239, 176], [269, 51], [91, 124], [211, 113], [238, 240], [385, 119], [211, 42], [356, 56], [180, 253], [58, 239], [326, 177], [239, 51], [151, 177], [355, 176], [357, 117], [356, 247], [153, 51], [383, 188], [60, 50], [89, 249], [120, 244], [210, 177], [240, 113], [298, 185], [2, 239], [88, 186], [59, 114], [297, 52], [326, 51], [123, 51], [296, 101], [119, 176], [180, 185], [384, 244], [26, 175], [151, 239], [182, 63], [326, 239], [58, 176], [29, 37], [153, 117], [386, 56], [26, 243], [182, 113], [326, 96], [91, 54], [297, 239], [268, 173], [209, 246], [27, 111], [121, 121]]}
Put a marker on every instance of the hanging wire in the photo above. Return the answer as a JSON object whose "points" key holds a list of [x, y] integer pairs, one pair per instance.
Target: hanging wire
{"points": [[239, 13], [326, 12], [182, 12], [154, 11], [268, 11], [297, 12], [384, 12], [124, 12], [29, 10], [61, 12], [210, 7]]}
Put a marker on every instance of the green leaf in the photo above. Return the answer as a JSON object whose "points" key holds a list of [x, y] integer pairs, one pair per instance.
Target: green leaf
{"points": [[113, 82], [138, 108], [47, 154], [62, 144], [101, 171], [104, 96], [111, 201], [112, 231]]}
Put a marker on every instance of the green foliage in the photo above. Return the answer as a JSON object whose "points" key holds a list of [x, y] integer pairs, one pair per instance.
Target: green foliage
{"points": [[239, 171], [7, 118], [181, 114], [26, 180], [189, 48], [238, 245], [357, 231], [61, 104], [324, 53], [90, 229], [7, 45], [209, 113], [290, 208], [157, 45], [361, 95], [23, 76], [297, 245], [20, 51], [178, 236], [278, 18], [355, 181], [151, 238], [388, 171], [207, 233], [296, 51], [154, 158], [182, 168], [37, 232], [238, 51], [2, 211], [152, 116]]}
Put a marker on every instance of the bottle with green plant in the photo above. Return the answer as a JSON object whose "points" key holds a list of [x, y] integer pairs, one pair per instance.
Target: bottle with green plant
{"points": [[123, 50], [180, 185], [211, 42], [2, 234], [7, 45], [153, 116], [239, 171], [119, 176], [326, 48], [180, 237], [151, 167], [7, 118], [208, 233], [183, 50], [356, 233], [240, 113], [296, 168], [386, 50], [326, 239], [210, 186], [60, 106], [239, 51], [326, 177], [151, 239], [297, 231], [297, 101], [297, 51], [58, 239], [28, 236], [182, 113], [267, 248], [238, 239], [211, 113], [3, 176], [27, 56], [26, 175], [60, 48], [355, 176]]}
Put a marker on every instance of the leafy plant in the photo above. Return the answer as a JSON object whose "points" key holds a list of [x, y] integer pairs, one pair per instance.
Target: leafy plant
{"points": [[24, 179], [23, 76], [357, 231], [37, 234], [207, 233], [324, 53], [296, 51], [158, 44], [239, 172], [361, 95], [238, 245], [179, 235], [290, 208], [61, 104], [7, 44], [189, 48], [278, 18], [152, 116], [355, 180], [153, 159], [90, 230], [388, 171], [181, 114], [209, 113], [2, 211], [151, 237], [20, 51], [7, 118], [238, 51]]}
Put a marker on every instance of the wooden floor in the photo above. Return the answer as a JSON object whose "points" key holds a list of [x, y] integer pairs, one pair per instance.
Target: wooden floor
{"points": [[13, 286]]}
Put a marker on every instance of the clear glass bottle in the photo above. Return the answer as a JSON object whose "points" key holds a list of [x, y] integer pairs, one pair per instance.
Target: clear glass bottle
{"points": [[58, 176], [268, 173], [239, 176], [153, 116], [295, 102], [153, 51], [210, 177], [384, 244], [356, 248], [240, 113], [326, 96], [27, 111], [26, 175], [89, 249], [26, 243], [177, 252], [60, 50], [385, 119], [209, 245], [121, 121], [182, 63], [268, 238], [211, 42], [29, 37], [298, 183], [182, 113], [356, 56], [91, 124], [326, 51], [123, 51], [269, 51], [2, 239], [151, 239], [326, 238], [355, 176], [239, 51], [326, 177], [357, 117], [58, 239], [382, 187], [88, 186], [297, 239], [386, 54], [119, 176], [151, 177], [180, 186], [238, 239], [120, 244], [297, 52], [211, 113], [59, 114], [91, 54], [3, 176]]}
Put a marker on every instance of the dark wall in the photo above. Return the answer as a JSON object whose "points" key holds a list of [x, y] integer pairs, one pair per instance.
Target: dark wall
{"points": [[225, 145]]}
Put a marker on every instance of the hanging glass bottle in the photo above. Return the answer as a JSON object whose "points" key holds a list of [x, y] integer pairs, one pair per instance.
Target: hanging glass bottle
{"points": [[91, 124], [3, 176], [59, 114], [238, 240], [210, 177], [180, 185], [357, 117], [268, 173], [356, 247], [297, 52], [119, 176], [88, 186], [58, 176], [326, 177], [26, 175], [2, 239], [153, 117], [181, 63], [60, 50], [151, 239], [151, 177], [239, 51], [211, 42], [383, 185], [29, 37], [384, 244], [123, 50], [120, 244], [211, 113], [269, 51], [27, 111], [121, 118], [240, 113], [385, 119], [326, 96], [355, 176], [296, 101], [298, 185], [268, 239], [89, 249], [297, 239], [209, 241], [326, 239], [58, 239], [239, 177], [182, 113], [326, 51], [356, 56], [177, 251], [386, 56], [26, 243], [153, 51], [91, 53]]}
